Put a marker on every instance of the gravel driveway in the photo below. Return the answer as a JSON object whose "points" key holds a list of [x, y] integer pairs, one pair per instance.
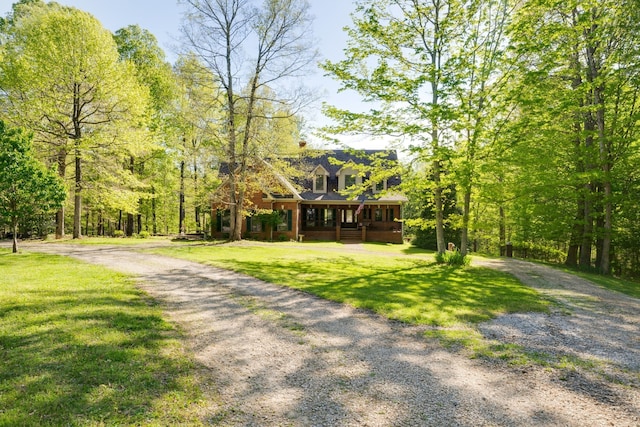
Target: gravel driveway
{"points": [[276, 356]]}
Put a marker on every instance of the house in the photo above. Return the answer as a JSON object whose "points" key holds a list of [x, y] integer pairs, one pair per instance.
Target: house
{"points": [[312, 206]]}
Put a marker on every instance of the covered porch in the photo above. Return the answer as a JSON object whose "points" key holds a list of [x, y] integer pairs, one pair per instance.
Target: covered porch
{"points": [[352, 222]]}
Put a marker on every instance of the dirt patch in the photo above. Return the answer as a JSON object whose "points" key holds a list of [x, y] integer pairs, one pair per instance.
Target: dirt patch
{"points": [[276, 356]]}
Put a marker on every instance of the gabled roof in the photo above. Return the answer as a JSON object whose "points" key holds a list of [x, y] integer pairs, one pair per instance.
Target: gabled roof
{"points": [[332, 161]]}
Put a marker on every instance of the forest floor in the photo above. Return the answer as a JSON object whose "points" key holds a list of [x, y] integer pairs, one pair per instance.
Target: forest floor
{"points": [[276, 356]]}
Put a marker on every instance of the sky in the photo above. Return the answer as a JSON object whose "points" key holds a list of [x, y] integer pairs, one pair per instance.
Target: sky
{"points": [[163, 18]]}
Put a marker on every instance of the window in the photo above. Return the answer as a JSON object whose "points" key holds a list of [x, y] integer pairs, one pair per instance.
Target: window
{"points": [[349, 180], [310, 217], [378, 214], [328, 218], [254, 224], [379, 186], [348, 177], [285, 221], [223, 221], [319, 179], [348, 216]]}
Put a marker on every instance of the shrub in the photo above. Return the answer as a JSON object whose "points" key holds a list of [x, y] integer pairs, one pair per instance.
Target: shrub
{"points": [[452, 258], [143, 235], [118, 233]]}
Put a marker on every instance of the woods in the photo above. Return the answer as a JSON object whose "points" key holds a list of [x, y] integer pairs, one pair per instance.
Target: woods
{"points": [[518, 119], [521, 114]]}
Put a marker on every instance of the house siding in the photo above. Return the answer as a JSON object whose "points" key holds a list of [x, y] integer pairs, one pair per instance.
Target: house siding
{"points": [[332, 217]]}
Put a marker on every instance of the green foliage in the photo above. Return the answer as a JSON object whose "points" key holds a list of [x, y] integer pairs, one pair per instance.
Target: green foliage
{"points": [[143, 234], [118, 233], [81, 345], [63, 79], [452, 258], [27, 189]]}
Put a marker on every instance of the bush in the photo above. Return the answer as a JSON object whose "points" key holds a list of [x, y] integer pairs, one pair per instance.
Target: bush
{"points": [[143, 235], [452, 258], [118, 233]]}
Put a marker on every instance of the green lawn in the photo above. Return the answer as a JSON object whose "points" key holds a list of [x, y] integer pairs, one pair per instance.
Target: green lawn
{"points": [[381, 278], [628, 287], [114, 241], [80, 345]]}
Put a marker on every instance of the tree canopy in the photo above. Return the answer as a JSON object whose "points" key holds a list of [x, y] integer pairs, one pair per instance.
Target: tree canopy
{"points": [[27, 188]]}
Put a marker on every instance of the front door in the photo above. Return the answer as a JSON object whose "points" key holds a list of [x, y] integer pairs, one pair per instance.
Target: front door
{"points": [[349, 219]]}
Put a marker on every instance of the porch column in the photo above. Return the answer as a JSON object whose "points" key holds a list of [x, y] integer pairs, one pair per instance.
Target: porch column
{"points": [[338, 223]]}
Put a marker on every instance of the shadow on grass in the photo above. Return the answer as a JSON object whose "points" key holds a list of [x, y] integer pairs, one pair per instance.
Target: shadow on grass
{"points": [[90, 356], [411, 291]]}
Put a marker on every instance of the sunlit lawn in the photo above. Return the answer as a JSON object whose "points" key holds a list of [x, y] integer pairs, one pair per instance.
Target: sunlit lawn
{"points": [[79, 345], [117, 241], [411, 289]]}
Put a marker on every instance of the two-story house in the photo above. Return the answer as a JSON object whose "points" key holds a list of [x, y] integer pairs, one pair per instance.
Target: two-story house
{"points": [[313, 205]]}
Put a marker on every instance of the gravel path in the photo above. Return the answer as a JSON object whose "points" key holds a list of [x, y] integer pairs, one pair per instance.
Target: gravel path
{"points": [[276, 356]]}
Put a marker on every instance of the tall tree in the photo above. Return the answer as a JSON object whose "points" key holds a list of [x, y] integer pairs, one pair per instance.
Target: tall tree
{"points": [[482, 74], [255, 54], [590, 48], [401, 54], [27, 187], [62, 77], [198, 121], [141, 48]]}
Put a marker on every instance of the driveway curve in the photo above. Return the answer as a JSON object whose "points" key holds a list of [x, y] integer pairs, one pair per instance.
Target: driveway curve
{"points": [[276, 356]]}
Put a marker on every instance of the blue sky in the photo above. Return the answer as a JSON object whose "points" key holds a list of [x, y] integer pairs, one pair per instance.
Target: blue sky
{"points": [[163, 17]]}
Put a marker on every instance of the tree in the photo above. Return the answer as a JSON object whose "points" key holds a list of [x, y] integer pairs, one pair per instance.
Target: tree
{"points": [[197, 120], [254, 54], [481, 75], [27, 188], [62, 78], [589, 50], [141, 48], [401, 55]]}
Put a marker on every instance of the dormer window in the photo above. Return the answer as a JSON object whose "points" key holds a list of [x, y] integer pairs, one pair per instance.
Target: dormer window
{"points": [[378, 187], [320, 180], [349, 180], [348, 177]]}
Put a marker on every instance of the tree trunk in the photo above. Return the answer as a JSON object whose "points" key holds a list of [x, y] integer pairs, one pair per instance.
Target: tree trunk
{"points": [[153, 210], [605, 257], [437, 195], [130, 222], [237, 232], [181, 225], [62, 171], [14, 227], [464, 237], [502, 231], [77, 199], [195, 192], [574, 242], [100, 224]]}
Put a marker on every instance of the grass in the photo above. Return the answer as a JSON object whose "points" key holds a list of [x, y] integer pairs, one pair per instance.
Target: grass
{"points": [[412, 289], [400, 282], [80, 345], [627, 287], [117, 241]]}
